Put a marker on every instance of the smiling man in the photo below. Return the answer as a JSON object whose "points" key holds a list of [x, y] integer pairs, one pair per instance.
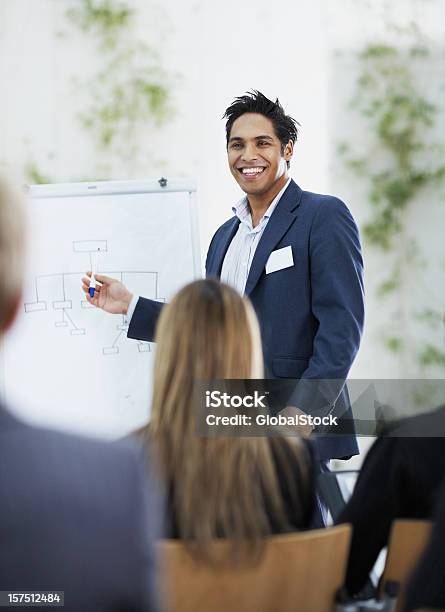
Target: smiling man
{"points": [[297, 256], [257, 158]]}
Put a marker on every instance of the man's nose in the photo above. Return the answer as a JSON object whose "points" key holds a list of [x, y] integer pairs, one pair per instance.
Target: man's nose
{"points": [[250, 152]]}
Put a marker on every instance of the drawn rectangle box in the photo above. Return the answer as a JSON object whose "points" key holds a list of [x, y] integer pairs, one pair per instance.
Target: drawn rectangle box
{"points": [[35, 306], [77, 332], [111, 350], [144, 348], [62, 305], [89, 246]]}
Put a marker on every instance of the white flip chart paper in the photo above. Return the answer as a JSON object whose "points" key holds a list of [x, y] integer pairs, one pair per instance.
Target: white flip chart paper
{"points": [[67, 364]]}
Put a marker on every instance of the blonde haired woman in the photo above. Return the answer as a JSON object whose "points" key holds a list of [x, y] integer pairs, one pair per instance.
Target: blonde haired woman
{"points": [[239, 488]]}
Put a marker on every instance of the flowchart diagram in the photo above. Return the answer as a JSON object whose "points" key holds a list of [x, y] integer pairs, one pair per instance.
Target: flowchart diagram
{"points": [[58, 292]]}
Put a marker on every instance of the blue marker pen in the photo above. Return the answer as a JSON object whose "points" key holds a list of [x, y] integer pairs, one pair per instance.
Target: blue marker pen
{"points": [[92, 285]]}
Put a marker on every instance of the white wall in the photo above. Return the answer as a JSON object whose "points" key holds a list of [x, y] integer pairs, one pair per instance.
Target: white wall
{"points": [[423, 286], [218, 51]]}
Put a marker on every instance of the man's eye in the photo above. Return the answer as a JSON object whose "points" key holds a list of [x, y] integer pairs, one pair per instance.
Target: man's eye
{"points": [[263, 143], [236, 145]]}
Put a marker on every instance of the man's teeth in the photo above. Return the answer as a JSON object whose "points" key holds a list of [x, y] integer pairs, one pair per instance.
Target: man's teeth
{"points": [[251, 170]]}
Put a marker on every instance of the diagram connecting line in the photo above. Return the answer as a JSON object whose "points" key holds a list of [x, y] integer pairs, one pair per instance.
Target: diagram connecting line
{"points": [[76, 331], [57, 284]]}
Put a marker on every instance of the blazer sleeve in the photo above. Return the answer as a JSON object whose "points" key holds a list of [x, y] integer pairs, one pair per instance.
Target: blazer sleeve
{"points": [[146, 314], [336, 275], [143, 322]]}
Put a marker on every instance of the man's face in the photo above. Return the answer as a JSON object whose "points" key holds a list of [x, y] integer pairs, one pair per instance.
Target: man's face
{"points": [[254, 153]]}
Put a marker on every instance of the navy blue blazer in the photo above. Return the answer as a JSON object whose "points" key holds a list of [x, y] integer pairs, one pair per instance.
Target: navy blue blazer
{"points": [[311, 314]]}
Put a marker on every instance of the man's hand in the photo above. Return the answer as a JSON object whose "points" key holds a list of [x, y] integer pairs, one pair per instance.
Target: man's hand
{"points": [[302, 430], [110, 294]]}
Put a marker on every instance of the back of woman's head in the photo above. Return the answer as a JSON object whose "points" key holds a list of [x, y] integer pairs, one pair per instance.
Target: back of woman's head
{"points": [[208, 332], [217, 484], [210, 328]]}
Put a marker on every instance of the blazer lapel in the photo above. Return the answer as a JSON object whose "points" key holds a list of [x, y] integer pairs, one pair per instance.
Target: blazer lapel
{"points": [[216, 262], [281, 219]]}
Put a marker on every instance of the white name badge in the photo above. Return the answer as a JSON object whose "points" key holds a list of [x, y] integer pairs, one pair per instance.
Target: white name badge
{"points": [[280, 259]]}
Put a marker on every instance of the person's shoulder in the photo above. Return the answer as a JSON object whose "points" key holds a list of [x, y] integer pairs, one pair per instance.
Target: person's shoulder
{"points": [[415, 438], [427, 426], [226, 225], [69, 461], [76, 446], [323, 203], [327, 214], [56, 474]]}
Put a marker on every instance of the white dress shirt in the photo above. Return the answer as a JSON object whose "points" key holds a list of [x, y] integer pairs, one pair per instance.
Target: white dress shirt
{"points": [[239, 256]]}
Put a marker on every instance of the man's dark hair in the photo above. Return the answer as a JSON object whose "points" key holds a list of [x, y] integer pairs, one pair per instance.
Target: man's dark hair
{"points": [[255, 102]]}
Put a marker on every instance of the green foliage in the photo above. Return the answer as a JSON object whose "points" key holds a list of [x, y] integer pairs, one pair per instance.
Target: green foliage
{"points": [[130, 89], [394, 344], [130, 97], [34, 176], [401, 160], [432, 318], [390, 284], [432, 356], [401, 120], [430, 393], [104, 18]]}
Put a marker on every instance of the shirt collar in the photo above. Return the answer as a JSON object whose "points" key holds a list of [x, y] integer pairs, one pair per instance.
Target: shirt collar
{"points": [[242, 208]]}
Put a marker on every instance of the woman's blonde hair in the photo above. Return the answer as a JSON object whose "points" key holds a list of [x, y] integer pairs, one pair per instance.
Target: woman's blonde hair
{"points": [[12, 248], [217, 486]]}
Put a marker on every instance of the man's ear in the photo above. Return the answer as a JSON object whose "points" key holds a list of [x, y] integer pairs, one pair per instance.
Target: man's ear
{"points": [[288, 151], [8, 317]]}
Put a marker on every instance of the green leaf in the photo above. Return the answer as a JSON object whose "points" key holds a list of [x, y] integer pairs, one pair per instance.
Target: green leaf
{"points": [[395, 344]]}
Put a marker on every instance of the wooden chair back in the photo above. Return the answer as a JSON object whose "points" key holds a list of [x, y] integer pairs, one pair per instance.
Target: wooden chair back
{"points": [[407, 542], [299, 571]]}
